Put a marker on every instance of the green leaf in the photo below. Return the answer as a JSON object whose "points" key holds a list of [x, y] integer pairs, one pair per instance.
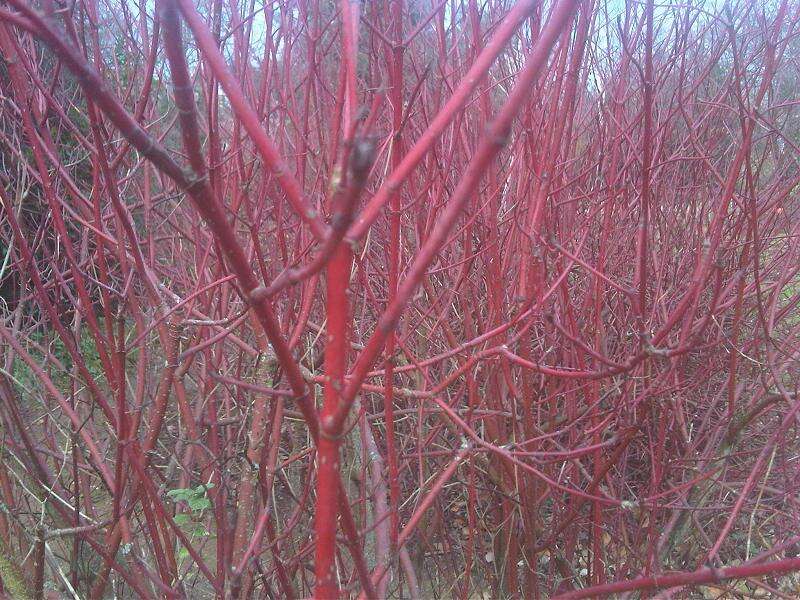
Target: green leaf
{"points": [[181, 493], [199, 503]]}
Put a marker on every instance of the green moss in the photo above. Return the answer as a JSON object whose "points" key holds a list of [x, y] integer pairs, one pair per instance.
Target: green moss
{"points": [[13, 581]]}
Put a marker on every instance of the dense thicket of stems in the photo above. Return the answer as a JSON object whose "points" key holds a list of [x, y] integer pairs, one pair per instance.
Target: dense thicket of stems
{"points": [[400, 298]]}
